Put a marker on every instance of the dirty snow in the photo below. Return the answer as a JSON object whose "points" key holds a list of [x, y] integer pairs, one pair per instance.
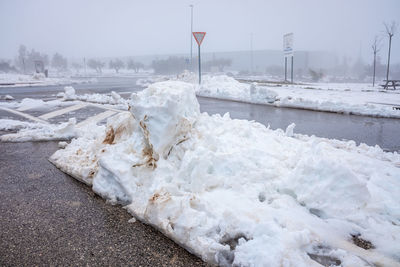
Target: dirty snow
{"points": [[237, 193]]}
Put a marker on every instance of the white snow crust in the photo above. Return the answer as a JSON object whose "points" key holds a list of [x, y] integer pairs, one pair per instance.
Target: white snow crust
{"points": [[29, 131], [36, 79], [113, 98], [235, 192]]}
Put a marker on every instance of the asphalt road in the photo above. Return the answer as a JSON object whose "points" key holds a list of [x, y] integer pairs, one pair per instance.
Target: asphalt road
{"points": [[48, 218]]}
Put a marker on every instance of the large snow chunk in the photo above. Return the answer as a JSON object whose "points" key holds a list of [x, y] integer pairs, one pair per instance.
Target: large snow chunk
{"points": [[69, 93], [166, 112]]}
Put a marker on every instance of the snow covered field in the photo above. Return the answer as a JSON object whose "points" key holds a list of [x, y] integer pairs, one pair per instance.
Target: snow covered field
{"points": [[235, 192], [359, 99], [37, 79]]}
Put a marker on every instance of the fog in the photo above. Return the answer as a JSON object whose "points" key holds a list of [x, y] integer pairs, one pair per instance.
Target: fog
{"points": [[130, 28]]}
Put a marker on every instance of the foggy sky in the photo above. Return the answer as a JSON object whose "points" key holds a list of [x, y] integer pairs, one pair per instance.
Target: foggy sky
{"points": [[127, 28]]}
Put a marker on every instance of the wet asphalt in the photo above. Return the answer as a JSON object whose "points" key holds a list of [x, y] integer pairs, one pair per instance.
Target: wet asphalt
{"points": [[49, 219]]}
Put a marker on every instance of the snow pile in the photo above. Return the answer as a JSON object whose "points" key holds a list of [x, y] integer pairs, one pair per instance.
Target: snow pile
{"points": [[216, 86], [7, 97], [13, 80], [261, 95], [114, 98], [145, 82], [237, 193], [69, 93], [33, 104], [37, 131], [38, 76], [338, 106], [359, 100], [12, 125], [187, 76], [225, 87]]}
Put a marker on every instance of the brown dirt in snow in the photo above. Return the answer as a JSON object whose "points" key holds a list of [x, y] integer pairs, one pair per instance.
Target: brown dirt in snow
{"points": [[362, 243], [110, 135]]}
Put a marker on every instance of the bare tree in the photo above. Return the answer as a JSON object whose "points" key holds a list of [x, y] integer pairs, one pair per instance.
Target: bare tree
{"points": [[96, 65], [390, 31], [133, 65], [59, 62], [375, 48], [22, 55], [116, 64]]}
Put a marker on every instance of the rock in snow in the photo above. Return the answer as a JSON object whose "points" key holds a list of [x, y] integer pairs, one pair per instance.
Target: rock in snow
{"points": [[237, 193]]}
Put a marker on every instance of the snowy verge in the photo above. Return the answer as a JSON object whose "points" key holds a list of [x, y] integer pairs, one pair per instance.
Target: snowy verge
{"points": [[36, 79], [29, 131], [359, 100], [237, 193], [113, 98]]}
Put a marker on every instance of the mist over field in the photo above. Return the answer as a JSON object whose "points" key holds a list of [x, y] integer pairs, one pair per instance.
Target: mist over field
{"points": [[330, 37]]}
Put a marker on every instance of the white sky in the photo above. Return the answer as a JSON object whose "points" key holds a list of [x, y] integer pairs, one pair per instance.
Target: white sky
{"points": [[131, 27]]}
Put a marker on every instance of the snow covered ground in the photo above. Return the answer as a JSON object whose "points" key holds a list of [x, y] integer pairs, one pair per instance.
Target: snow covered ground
{"points": [[37, 79], [235, 192], [39, 129], [359, 99], [113, 98], [36, 131]]}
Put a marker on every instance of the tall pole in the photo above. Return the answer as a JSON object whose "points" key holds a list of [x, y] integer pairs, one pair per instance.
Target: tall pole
{"points": [[285, 69], [373, 79], [191, 37], [84, 64], [388, 64], [291, 70], [199, 67], [251, 53]]}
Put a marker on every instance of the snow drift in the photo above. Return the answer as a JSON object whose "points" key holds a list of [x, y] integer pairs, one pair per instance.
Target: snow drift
{"points": [[359, 100], [237, 193]]}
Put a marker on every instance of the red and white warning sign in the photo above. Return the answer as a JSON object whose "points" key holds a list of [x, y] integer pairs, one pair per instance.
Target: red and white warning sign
{"points": [[199, 36]]}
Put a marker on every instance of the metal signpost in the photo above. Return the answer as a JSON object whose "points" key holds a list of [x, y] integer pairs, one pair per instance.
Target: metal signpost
{"points": [[288, 52], [199, 36]]}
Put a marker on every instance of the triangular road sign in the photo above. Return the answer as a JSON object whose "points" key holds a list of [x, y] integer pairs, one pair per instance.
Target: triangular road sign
{"points": [[199, 36]]}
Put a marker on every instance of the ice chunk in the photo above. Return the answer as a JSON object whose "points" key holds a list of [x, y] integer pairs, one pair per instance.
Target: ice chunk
{"points": [[166, 112], [289, 129]]}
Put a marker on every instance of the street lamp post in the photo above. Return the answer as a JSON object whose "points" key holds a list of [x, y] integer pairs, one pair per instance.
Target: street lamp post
{"points": [[191, 37]]}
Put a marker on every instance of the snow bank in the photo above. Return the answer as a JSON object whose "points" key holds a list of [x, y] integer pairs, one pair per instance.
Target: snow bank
{"points": [[36, 79], [7, 97], [360, 100], [145, 82], [37, 131], [113, 98], [12, 125], [225, 87], [332, 105], [237, 193]]}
